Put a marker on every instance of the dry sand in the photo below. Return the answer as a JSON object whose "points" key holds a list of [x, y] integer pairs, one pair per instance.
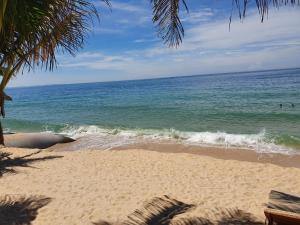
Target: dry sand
{"points": [[86, 186]]}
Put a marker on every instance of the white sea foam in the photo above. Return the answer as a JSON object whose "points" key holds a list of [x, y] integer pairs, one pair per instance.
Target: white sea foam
{"points": [[95, 136]]}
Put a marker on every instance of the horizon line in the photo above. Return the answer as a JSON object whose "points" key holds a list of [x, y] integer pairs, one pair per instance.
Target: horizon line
{"points": [[157, 78]]}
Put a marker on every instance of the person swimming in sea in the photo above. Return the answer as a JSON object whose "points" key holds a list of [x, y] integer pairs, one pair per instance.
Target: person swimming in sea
{"points": [[280, 105], [293, 106]]}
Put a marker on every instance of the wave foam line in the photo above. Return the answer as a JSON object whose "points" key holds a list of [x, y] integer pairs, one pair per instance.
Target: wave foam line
{"points": [[259, 142]]}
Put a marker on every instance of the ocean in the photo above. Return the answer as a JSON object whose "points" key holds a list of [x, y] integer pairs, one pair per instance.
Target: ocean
{"points": [[254, 110]]}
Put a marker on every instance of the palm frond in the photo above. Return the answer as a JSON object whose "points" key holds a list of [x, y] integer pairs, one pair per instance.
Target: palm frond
{"points": [[159, 211], [163, 211], [170, 29], [192, 221], [262, 6], [3, 5], [166, 16], [33, 32], [236, 216]]}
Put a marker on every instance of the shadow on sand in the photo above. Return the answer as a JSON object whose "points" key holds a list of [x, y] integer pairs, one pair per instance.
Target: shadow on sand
{"points": [[162, 211], [20, 211], [7, 163]]}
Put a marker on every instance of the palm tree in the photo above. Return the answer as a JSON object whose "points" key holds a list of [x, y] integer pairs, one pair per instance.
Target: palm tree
{"points": [[33, 31]]}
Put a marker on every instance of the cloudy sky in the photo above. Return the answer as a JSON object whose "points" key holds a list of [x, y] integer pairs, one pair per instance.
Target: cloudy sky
{"points": [[124, 45]]}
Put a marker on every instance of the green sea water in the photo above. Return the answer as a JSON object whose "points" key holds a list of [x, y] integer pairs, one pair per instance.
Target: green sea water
{"points": [[258, 110]]}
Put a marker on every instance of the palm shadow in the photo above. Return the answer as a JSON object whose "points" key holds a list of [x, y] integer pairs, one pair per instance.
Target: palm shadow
{"points": [[162, 211], [20, 211], [7, 163]]}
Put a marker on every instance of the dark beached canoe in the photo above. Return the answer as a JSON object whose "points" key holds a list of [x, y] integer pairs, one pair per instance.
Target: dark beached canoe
{"points": [[34, 140]]}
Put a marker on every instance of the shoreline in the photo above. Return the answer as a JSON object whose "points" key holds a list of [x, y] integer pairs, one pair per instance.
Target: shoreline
{"points": [[245, 155], [92, 136], [223, 153], [62, 143]]}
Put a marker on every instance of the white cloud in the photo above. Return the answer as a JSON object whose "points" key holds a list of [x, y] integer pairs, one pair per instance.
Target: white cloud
{"points": [[133, 7], [201, 15], [143, 40], [123, 17], [282, 26], [106, 30], [129, 7], [212, 44]]}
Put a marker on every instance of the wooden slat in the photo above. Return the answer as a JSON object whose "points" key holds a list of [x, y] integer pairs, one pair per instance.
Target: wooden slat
{"points": [[282, 217], [283, 201]]}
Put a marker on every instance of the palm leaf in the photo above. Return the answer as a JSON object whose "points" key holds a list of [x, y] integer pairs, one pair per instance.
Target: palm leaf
{"points": [[159, 211], [33, 32], [3, 4], [170, 28], [236, 216], [166, 16], [192, 221]]}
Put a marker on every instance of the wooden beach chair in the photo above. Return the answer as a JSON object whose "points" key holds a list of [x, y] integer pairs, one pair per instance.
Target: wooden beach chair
{"points": [[282, 209]]}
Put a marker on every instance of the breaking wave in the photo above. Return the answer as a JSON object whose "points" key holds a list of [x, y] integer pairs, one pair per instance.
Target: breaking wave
{"points": [[97, 137]]}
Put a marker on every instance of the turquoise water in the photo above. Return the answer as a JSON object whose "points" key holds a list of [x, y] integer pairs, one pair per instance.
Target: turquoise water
{"points": [[236, 109]]}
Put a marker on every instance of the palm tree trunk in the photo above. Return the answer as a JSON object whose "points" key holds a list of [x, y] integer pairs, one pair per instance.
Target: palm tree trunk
{"points": [[1, 135]]}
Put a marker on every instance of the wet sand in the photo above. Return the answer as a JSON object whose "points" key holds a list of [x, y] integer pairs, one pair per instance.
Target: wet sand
{"points": [[228, 153], [221, 153]]}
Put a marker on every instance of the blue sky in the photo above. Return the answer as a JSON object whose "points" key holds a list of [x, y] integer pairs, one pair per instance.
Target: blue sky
{"points": [[124, 45]]}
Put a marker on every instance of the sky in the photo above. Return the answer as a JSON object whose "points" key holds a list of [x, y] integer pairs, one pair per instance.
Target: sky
{"points": [[124, 45]]}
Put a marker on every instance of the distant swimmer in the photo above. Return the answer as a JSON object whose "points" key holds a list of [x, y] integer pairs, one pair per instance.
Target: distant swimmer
{"points": [[293, 105], [280, 106]]}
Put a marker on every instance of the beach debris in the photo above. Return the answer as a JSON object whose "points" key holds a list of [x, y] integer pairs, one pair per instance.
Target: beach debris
{"points": [[160, 210]]}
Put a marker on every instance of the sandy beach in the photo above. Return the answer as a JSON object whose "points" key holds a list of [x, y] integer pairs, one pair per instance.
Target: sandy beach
{"points": [[149, 112], [88, 186]]}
